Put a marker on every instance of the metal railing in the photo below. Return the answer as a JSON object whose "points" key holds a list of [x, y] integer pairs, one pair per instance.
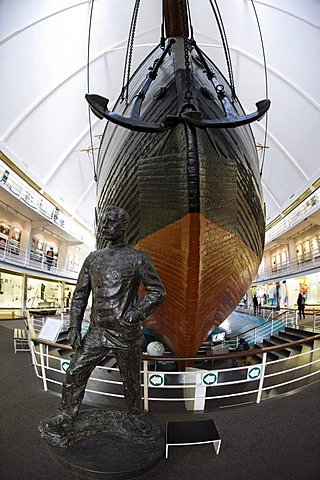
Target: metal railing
{"points": [[306, 208], [290, 267], [11, 182], [215, 385], [275, 322], [29, 258]]}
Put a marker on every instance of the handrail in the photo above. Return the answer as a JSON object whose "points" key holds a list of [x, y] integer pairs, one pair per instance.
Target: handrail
{"points": [[257, 326], [161, 358], [256, 379]]}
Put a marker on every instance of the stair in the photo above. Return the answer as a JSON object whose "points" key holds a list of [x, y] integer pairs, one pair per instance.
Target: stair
{"points": [[275, 341], [301, 333], [290, 337], [290, 334], [257, 357]]}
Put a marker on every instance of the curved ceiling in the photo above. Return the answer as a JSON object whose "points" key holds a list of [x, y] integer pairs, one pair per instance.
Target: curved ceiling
{"points": [[44, 126]]}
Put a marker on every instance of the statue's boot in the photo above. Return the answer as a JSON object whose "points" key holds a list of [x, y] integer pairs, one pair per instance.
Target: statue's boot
{"points": [[59, 424]]}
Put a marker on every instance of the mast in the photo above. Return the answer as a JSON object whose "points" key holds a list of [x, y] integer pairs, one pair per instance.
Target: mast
{"points": [[175, 18]]}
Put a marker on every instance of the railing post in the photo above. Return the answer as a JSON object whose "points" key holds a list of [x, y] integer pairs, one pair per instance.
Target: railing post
{"points": [[43, 369], [255, 335], [314, 321], [272, 323], [145, 386], [296, 319], [263, 369], [26, 257], [33, 355]]}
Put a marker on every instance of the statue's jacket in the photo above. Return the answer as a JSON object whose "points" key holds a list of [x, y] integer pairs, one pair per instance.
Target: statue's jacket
{"points": [[113, 275]]}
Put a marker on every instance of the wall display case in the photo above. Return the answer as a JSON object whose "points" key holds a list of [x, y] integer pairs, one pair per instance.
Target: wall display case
{"points": [[306, 250], [315, 246], [299, 252], [15, 240], [314, 289], [73, 263], [11, 290], [284, 257], [43, 294], [4, 235], [37, 249], [68, 293]]}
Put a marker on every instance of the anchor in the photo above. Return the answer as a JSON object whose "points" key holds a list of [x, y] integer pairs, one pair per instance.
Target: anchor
{"points": [[231, 120], [99, 105]]}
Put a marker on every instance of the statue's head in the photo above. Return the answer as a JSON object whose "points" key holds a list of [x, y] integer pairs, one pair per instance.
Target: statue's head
{"points": [[114, 222]]}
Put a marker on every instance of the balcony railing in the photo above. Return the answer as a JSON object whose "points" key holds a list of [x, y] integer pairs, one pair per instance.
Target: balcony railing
{"points": [[30, 258], [27, 195], [304, 210], [290, 267]]}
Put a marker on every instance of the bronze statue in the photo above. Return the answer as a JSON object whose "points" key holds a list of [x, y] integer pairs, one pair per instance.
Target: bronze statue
{"points": [[113, 275]]}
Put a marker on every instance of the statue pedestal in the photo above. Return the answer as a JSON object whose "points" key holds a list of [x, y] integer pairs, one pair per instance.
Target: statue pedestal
{"points": [[106, 444], [109, 456]]}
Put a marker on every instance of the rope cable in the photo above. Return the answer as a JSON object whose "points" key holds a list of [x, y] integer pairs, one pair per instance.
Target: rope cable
{"points": [[88, 89], [162, 36], [225, 44], [129, 52], [263, 150], [189, 18]]}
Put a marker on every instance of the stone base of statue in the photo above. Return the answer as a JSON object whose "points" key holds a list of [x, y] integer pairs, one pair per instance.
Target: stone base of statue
{"points": [[106, 444]]}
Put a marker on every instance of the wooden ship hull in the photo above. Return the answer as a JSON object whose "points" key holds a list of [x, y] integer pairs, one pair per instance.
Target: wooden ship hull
{"points": [[193, 193]]}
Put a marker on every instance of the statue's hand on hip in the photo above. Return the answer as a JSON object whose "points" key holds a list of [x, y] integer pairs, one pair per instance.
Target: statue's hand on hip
{"points": [[131, 317], [74, 337]]}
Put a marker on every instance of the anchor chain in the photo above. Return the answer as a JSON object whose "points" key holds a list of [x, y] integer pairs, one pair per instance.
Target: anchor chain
{"points": [[129, 53]]}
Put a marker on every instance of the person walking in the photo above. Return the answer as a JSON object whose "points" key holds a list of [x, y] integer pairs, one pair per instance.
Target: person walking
{"points": [[255, 304], [301, 305]]}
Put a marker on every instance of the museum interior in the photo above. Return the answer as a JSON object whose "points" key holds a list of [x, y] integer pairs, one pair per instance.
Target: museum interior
{"points": [[240, 261]]}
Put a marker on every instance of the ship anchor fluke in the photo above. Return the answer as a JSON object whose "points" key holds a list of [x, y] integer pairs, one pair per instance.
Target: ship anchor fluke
{"points": [[231, 120], [99, 106]]}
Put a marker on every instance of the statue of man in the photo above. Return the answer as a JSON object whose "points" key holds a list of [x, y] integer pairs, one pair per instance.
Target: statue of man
{"points": [[113, 275]]}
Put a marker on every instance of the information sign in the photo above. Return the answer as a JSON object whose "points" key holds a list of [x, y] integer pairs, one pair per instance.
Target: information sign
{"points": [[156, 379], [254, 372], [51, 329], [209, 378]]}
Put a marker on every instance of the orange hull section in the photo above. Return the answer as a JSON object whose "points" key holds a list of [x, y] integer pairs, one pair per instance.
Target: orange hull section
{"points": [[205, 270]]}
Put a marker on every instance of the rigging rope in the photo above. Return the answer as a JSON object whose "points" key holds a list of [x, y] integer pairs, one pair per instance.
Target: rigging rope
{"points": [[88, 90], [263, 150], [129, 51], [162, 37], [226, 49], [189, 17]]}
